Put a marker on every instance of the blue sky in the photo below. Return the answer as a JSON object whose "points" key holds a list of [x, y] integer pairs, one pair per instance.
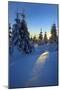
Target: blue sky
{"points": [[37, 15]]}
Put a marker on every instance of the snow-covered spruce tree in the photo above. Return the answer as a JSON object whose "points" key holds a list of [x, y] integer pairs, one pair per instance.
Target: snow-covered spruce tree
{"points": [[45, 38], [10, 39], [40, 37], [53, 37], [24, 39], [15, 31]]}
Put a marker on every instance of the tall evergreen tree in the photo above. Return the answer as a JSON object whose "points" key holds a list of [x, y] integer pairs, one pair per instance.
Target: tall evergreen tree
{"points": [[53, 37], [40, 37], [45, 38], [10, 39], [15, 30], [34, 38], [24, 39]]}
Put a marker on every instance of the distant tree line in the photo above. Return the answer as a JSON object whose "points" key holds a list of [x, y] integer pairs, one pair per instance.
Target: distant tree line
{"points": [[44, 39]]}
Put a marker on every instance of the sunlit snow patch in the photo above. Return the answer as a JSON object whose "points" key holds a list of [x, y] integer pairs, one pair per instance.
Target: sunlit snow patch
{"points": [[42, 57]]}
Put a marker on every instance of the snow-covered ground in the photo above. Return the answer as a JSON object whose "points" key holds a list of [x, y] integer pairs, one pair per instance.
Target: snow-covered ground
{"points": [[40, 68]]}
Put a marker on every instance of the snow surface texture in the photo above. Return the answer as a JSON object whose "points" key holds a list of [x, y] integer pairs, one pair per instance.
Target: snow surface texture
{"points": [[40, 68]]}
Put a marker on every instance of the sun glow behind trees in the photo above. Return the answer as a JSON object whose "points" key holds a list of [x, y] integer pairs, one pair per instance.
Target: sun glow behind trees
{"points": [[37, 34]]}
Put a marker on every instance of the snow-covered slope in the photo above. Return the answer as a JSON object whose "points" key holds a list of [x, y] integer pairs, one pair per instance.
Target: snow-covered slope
{"points": [[36, 69]]}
